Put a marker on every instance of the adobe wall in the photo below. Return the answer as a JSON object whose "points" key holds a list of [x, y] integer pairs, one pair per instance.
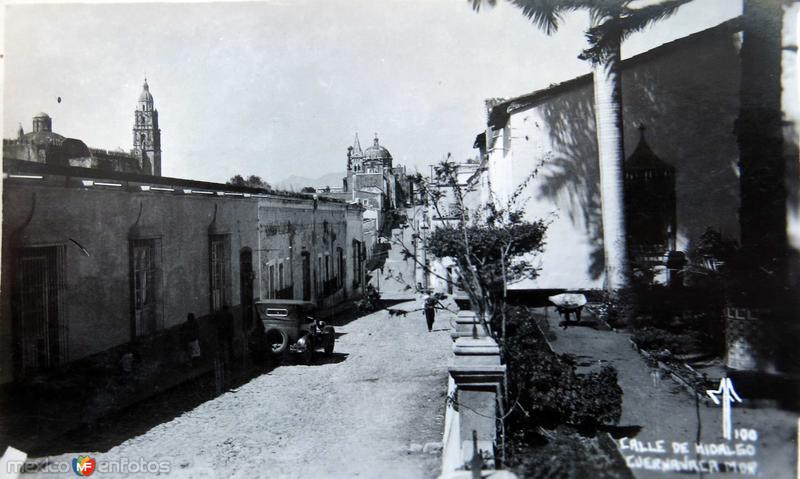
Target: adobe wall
{"points": [[97, 296]]}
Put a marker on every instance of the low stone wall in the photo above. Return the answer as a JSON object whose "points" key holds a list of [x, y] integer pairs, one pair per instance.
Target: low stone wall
{"points": [[474, 402]]}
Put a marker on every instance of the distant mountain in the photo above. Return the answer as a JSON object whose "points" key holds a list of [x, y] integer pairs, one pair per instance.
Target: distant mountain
{"points": [[296, 183]]}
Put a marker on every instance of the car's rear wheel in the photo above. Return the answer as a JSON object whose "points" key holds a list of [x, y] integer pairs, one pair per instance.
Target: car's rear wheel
{"points": [[277, 341]]}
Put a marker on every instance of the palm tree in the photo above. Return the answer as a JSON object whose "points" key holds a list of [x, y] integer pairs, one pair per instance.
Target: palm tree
{"points": [[612, 22]]}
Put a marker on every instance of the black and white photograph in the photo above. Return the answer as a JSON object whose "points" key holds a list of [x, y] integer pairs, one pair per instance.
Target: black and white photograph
{"points": [[435, 239]]}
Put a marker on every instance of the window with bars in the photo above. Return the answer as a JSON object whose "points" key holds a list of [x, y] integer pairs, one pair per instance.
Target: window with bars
{"points": [[38, 309], [219, 266], [144, 260]]}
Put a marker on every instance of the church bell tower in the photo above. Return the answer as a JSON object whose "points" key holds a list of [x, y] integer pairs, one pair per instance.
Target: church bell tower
{"points": [[146, 134]]}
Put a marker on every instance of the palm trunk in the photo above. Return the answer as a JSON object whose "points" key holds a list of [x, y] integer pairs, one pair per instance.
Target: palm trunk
{"points": [[610, 150], [762, 215]]}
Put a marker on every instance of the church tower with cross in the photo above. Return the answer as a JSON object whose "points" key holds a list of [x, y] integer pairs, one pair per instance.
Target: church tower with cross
{"points": [[147, 134]]}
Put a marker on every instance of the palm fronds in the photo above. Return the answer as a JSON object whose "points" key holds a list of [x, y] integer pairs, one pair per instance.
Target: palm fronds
{"points": [[613, 20], [611, 30]]}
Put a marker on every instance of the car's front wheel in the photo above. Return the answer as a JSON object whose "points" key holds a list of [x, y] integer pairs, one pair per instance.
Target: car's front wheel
{"points": [[330, 340]]}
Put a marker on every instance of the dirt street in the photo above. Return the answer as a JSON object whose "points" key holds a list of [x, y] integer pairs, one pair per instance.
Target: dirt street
{"points": [[352, 415]]}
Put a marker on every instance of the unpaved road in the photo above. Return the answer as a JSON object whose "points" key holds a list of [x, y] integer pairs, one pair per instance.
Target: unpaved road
{"points": [[352, 415]]}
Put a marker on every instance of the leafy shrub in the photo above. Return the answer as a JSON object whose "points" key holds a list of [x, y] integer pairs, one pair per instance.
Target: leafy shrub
{"points": [[567, 455], [617, 309], [655, 339], [548, 385], [690, 319]]}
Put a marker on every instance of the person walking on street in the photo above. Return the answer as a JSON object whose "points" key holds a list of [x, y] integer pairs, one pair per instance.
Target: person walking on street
{"points": [[430, 310]]}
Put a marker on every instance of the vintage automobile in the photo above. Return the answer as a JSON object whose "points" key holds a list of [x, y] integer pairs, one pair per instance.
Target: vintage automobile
{"points": [[288, 326]]}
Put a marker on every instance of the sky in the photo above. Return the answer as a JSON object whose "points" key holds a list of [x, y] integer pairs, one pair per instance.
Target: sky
{"points": [[279, 88]]}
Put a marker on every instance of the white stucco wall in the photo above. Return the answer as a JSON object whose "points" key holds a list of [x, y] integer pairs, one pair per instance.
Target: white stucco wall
{"points": [[687, 96]]}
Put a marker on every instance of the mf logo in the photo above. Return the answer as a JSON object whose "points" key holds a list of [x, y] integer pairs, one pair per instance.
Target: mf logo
{"points": [[84, 465]]}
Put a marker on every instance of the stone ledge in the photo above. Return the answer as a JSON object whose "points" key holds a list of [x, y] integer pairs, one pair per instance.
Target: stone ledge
{"points": [[462, 318], [461, 349], [482, 346], [478, 374], [476, 342], [454, 335]]}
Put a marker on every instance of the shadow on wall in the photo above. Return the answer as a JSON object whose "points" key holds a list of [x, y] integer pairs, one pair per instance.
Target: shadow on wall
{"points": [[689, 102], [572, 171]]}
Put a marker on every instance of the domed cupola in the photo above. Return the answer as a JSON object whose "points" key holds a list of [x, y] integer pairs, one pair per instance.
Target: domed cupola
{"points": [[42, 122], [377, 152], [145, 98]]}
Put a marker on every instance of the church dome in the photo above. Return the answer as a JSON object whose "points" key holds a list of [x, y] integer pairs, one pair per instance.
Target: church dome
{"points": [[41, 114], [145, 96], [377, 152]]}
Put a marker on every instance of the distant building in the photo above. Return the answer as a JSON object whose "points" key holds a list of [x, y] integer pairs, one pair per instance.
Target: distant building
{"points": [[441, 274], [373, 181], [147, 134], [42, 145]]}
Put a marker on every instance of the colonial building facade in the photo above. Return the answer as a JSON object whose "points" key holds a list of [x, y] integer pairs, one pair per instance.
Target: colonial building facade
{"points": [[95, 260]]}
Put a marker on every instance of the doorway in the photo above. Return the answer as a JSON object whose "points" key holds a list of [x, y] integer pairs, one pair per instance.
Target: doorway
{"points": [[38, 297], [306, 276], [246, 286]]}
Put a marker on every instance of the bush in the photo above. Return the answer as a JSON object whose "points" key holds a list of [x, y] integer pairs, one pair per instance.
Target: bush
{"points": [[617, 310], [654, 339], [689, 318], [548, 385], [567, 455]]}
